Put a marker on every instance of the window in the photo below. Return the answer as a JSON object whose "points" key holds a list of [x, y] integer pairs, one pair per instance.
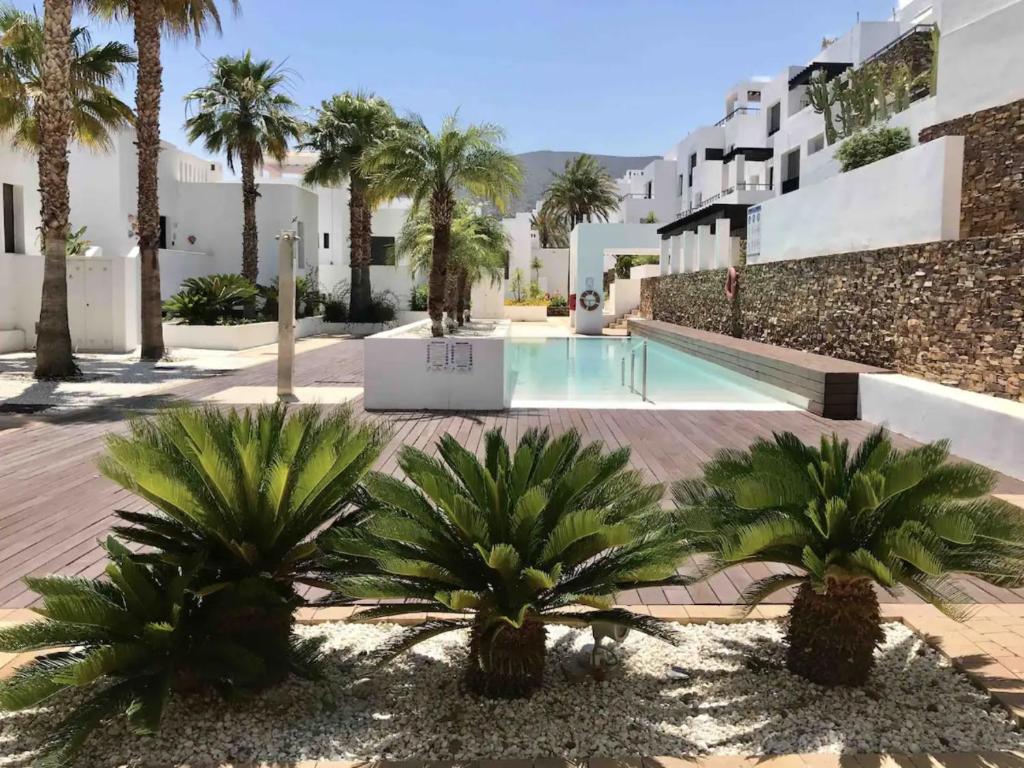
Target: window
{"points": [[327, 239], [774, 118], [10, 246], [648, 190], [382, 251], [753, 96], [816, 144], [693, 164], [682, 184]]}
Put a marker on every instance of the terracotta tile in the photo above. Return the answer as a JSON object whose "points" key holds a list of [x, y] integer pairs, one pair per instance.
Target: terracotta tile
{"points": [[306, 615], [335, 612], [407, 619], [771, 611], [985, 626], [717, 613], [781, 761], [822, 760], [667, 762], [669, 612]]}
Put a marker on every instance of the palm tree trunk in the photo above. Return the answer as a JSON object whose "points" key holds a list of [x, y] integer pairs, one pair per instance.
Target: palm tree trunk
{"points": [[250, 237], [507, 663], [54, 358], [359, 251], [832, 636], [441, 209], [149, 85], [451, 298]]}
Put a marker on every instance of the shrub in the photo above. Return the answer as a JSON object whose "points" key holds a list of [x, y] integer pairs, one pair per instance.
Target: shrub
{"points": [[508, 543], [246, 490], [210, 299], [308, 298], [873, 144], [845, 523], [418, 298], [335, 310], [126, 642], [626, 262], [383, 308], [557, 301]]}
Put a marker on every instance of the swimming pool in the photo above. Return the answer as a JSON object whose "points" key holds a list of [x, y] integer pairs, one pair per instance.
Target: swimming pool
{"points": [[597, 371]]}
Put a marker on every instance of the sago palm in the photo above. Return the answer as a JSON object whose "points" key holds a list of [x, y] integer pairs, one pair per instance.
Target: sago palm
{"points": [[244, 111], [547, 533], [124, 640], [582, 192], [846, 521], [432, 168], [248, 490], [478, 249], [346, 126], [151, 21]]}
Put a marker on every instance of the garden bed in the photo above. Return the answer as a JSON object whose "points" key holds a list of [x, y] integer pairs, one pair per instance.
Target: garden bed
{"points": [[722, 690]]}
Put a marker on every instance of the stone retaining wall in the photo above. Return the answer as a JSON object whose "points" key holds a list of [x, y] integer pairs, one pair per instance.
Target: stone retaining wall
{"points": [[993, 186], [951, 312]]}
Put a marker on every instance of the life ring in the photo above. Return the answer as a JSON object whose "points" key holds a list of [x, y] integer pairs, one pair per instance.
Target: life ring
{"points": [[732, 284], [589, 300]]}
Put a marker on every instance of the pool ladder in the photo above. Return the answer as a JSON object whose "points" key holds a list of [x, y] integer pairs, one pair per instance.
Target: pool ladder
{"points": [[642, 349]]}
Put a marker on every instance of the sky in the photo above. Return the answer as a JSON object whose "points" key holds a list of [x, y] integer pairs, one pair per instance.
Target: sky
{"points": [[625, 77]]}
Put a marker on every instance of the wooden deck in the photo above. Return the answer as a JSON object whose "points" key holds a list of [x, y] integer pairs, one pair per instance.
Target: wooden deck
{"points": [[55, 505]]}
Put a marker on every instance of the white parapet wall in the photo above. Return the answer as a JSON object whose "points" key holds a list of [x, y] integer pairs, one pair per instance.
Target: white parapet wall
{"points": [[235, 337], [406, 369], [912, 197], [984, 429], [526, 314]]}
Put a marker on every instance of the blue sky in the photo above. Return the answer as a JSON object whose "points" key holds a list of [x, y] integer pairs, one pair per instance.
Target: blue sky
{"points": [[605, 76]]}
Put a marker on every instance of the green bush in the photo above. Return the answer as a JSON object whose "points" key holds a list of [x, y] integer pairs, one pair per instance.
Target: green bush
{"points": [[418, 298], [247, 490], [509, 543], [624, 263], [308, 298], [383, 308], [557, 301], [845, 522], [335, 310], [873, 144], [211, 299]]}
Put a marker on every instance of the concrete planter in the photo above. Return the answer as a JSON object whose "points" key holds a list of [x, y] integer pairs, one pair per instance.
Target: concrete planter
{"points": [[357, 329], [403, 370], [235, 337], [526, 314]]}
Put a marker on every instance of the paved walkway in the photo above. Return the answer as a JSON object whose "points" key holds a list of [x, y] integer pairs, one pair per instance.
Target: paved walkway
{"points": [[54, 505]]}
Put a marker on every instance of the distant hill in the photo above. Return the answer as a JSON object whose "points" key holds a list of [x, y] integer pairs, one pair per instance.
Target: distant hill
{"points": [[537, 168]]}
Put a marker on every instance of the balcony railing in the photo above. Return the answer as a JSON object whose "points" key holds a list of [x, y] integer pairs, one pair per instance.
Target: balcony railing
{"points": [[917, 29], [636, 196], [738, 111], [746, 186], [742, 187]]}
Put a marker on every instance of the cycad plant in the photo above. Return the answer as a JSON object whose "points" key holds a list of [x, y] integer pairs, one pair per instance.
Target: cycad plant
{"points": [[206, 300], [547, 533], [845, 522], [126, 640], [248, 491]]}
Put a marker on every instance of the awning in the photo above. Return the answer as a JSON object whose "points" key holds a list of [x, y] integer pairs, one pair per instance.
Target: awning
{"points": [[830, 68]]}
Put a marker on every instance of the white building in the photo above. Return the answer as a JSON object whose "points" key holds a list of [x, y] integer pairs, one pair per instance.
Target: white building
{"points": [[770, 145]]}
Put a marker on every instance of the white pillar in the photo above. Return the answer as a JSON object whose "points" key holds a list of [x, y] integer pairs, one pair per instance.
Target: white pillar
{"points": [[689, 252], [705, 247], [723, 244], [286, 314], [677, 255], [665, 261], [739, 163]]}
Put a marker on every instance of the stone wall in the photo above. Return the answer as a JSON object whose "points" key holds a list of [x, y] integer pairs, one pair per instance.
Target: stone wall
{"points": [[951, 312], [993, 186]]}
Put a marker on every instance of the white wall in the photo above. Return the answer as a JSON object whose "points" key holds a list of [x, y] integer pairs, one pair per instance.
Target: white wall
{"points": [[554, 269], [912, 197]]}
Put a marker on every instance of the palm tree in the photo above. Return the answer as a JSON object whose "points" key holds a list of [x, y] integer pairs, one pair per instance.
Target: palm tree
{"points": [[246, 112], [479, 248], [550, 229], [547, 534], [247, 491], [584, 191], [96, 112], [843, 523], [53, 344], [152, 19], [431, 168], [93, 113], [347, 125]]}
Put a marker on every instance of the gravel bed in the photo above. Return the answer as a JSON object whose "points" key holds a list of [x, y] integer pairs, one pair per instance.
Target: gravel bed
{"points": [[722, 690]]}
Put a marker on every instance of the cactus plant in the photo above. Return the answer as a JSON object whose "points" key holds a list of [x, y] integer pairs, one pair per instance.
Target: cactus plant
{"points": [[822, 100]]}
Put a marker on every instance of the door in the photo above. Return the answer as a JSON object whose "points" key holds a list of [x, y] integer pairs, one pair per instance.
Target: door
{"points": [[8, 204], [163, 232]]}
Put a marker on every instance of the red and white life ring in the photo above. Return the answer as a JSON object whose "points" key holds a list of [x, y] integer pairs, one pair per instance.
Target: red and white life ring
{"points": [[732, 284]]}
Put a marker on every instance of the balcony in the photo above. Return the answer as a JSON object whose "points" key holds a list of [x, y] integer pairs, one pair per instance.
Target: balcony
{"points": [[737, 111]]}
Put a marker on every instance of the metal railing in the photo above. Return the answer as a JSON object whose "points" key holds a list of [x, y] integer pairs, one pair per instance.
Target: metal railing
{"points": [[737, 111], [640, 348], [636, 196], [914, 30]]}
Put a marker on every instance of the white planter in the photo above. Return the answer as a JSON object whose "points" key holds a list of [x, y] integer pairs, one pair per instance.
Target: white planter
{"points": [[397, 374], [406, 316], [357, 329], [235, 337], [527, 314]]}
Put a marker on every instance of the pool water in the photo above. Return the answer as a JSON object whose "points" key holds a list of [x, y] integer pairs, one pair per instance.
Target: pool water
{"points": [[590, 370]]}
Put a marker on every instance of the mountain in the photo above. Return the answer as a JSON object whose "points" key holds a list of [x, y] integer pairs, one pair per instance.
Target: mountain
{"points": [[538, 166]]}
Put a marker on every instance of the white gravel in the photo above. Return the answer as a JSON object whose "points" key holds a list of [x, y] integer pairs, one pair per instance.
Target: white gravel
{"points": [[722, 690]]}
